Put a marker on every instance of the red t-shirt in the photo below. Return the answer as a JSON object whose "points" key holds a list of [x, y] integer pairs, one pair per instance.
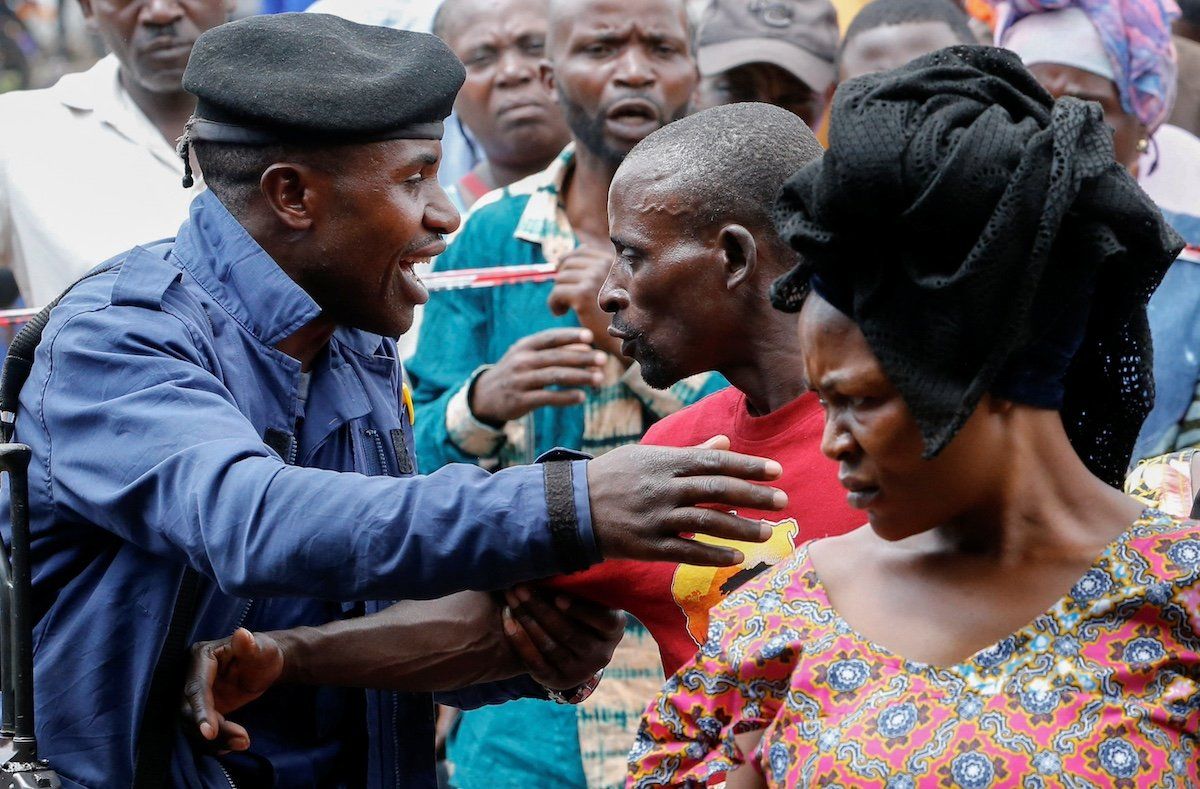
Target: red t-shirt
{"points": [[673, 600]]}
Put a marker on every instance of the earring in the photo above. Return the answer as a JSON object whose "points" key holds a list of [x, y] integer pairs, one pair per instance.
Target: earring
{"points": [[1143, 145]]}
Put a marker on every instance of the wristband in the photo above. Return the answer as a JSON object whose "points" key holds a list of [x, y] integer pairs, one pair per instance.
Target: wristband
{"points": [[577, 694]]}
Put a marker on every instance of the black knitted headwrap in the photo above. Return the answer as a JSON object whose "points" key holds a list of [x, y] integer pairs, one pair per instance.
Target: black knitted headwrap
{"points": [[984, 239]]}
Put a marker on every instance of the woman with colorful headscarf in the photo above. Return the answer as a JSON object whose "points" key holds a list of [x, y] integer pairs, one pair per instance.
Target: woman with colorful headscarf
{"points": [[1120, 54], [1008, 617]]}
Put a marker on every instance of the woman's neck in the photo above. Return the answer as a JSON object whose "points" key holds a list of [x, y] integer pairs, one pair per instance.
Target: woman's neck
{"points": [[1049, 504]]}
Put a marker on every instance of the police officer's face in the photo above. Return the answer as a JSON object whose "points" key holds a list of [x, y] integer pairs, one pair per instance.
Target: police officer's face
{"points": [[386, 213], [153, 38]]}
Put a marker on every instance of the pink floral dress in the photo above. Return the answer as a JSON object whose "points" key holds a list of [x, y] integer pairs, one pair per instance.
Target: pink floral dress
{"points": [[1102, 690]]}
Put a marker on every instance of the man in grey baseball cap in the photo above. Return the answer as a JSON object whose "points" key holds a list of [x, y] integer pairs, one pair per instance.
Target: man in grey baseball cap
{"points": [[780, 52]]}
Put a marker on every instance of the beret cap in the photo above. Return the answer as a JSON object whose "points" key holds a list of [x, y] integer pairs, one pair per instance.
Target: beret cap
{"points": [[319, 78]]}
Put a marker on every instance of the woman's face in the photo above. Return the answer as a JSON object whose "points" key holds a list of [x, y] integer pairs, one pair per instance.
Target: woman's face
{"points": [[877, 443], [1062, 81]]}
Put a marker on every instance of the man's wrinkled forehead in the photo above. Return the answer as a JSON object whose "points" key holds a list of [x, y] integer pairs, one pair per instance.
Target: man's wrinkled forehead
{"points": [[667, 18], [647, 195]]}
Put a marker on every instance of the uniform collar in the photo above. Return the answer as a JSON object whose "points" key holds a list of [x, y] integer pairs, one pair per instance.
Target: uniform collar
{"points": [[239, 275]]}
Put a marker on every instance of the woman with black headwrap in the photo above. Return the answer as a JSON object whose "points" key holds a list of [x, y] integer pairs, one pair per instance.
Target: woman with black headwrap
{"points": [[1007, 617], [1120, 53]]}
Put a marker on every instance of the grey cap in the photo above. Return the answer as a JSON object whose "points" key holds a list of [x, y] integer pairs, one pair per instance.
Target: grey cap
{"points": [[799, 36]]}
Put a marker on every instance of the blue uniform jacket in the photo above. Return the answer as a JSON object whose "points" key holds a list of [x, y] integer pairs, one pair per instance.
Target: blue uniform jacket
{"points": [[166, 429]]}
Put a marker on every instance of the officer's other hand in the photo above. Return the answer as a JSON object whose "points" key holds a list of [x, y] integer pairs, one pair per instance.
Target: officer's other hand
{"points": [[645, 498], [520, 381], [577, 282], [562, 640], [224, 676]]}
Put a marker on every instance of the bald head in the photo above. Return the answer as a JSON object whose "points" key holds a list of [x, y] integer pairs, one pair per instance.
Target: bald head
{"points": [[722, 165]]}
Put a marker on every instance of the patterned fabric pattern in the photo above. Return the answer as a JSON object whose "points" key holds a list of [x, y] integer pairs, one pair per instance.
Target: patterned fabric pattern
{"points": [[1165, 483], [1100, 691], [1137, 37]]}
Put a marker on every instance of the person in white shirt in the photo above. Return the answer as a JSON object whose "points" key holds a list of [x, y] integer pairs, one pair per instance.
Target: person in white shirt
{"points": [[88, 167]]}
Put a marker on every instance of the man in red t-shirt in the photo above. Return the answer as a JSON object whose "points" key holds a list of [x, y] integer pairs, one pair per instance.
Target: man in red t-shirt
{"points": [[690, 217]]}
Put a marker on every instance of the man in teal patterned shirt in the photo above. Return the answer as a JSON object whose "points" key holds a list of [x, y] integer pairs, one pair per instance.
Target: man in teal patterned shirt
{"points": [[501, 375]]}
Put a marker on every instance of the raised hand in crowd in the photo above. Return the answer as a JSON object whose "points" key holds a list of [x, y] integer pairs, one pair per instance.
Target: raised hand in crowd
{"points": [[413, 646], [521, 380], [577, 283]]}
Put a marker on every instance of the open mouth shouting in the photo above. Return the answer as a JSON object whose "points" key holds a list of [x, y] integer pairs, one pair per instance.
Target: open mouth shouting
{"points": [[633, 118]]}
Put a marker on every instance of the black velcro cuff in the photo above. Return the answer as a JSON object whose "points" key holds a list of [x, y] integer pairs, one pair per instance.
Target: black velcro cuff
{"points": [[564, 520]]}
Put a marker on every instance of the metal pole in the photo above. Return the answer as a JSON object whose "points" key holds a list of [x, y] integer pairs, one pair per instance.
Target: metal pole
{"points": [[7, 669], [15, 460]]}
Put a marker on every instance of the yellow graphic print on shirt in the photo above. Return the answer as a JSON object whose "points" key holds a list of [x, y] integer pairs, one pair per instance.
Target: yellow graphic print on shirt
{"points": [[697, 589]]}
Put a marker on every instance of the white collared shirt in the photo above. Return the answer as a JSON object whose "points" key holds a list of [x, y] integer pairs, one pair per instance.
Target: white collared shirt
{"points": [[84, 175]]}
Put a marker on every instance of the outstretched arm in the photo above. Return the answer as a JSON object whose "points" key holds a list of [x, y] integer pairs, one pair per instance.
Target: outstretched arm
{"points": [[413, 646]]}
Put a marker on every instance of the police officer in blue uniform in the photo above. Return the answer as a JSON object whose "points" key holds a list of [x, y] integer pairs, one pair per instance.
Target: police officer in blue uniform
{"points": [[229, 403]]}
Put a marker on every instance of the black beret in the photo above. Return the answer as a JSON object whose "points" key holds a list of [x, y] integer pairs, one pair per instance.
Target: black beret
{"points": [[319, 78]]}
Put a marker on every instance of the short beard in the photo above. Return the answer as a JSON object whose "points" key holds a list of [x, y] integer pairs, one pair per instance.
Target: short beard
{"points": [[589, 130], [656, 371]]}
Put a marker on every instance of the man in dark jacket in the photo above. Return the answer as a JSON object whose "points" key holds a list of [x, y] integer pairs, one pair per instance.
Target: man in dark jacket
{"points": [[229, 403]]}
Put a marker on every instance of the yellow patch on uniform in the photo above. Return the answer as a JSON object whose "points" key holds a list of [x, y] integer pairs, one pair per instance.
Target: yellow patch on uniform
{"points": [[408, 404], [697, 589]]}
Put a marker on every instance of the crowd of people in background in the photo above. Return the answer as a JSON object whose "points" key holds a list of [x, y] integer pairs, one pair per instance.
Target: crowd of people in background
{"points": [[925, 265]]}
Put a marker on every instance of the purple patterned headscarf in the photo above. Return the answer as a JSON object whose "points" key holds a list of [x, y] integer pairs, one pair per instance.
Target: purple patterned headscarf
{"points": [[1136, 35]]}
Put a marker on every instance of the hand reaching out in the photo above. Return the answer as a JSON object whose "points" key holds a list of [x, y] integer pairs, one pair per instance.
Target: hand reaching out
{"points": [[226, 675]]}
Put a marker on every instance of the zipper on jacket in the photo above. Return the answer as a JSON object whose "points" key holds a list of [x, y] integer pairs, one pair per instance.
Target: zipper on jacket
{"points": [[396, 736], [241, 620], [376, 442], [293, 449], [225, 773]]}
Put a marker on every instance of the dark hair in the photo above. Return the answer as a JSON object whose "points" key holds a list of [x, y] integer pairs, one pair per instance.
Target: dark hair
{"points": [[233, 172], [728, 161], [883, 13]]}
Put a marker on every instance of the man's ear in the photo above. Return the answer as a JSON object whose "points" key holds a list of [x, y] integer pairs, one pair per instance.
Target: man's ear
{"points": [[296, 194], [739, 255]]}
